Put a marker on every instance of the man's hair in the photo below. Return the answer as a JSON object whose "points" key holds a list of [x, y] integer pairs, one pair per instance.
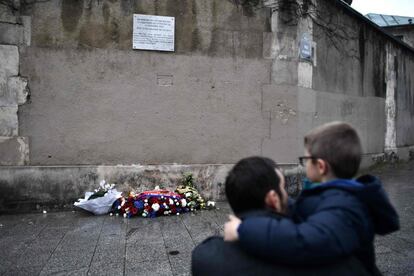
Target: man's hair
{"points": [[248, 183], [338, 144]]}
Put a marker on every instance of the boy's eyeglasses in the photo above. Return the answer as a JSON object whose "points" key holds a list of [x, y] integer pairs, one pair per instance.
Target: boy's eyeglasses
{"points": [[302, 159]]}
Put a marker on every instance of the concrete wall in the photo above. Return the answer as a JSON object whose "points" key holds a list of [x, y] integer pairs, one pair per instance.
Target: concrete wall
{"points": [[404, 31], [96, 101], [404, 95], [234, 87], [111, 107], [55, 187]]}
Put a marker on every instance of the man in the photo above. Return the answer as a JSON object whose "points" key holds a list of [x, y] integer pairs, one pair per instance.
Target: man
{"points": [[255, 188]]}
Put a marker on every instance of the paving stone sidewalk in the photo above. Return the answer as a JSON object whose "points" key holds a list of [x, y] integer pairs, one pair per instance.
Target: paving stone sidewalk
{"points": [[76, 243]]}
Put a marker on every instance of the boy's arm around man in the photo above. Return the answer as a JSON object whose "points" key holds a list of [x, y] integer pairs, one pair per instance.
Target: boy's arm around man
{"points": [[340, 220]]}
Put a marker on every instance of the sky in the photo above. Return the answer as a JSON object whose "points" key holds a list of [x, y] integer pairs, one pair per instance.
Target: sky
{"points": [[389, 7]]}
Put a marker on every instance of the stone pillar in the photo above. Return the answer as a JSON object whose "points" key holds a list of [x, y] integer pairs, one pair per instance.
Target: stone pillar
{"points": [[305, 35], [283, 45], [14, 91], [390, 108]]}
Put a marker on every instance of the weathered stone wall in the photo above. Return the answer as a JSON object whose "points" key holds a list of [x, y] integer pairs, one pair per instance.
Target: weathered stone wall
{"points": [[404, 31], [14, 31], [404, 95], [212, 27], [234, 87], [55, 187], [96, 101]]}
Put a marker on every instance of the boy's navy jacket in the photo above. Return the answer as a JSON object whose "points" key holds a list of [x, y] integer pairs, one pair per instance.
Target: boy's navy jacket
{"points": [[330, 220], [214, 256]]}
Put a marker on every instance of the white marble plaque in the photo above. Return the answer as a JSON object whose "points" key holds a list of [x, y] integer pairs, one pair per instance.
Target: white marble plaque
{"points": [[151, 32]]}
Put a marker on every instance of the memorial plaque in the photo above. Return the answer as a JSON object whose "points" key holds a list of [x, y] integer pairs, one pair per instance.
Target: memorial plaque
{"points": [[151, 32]]}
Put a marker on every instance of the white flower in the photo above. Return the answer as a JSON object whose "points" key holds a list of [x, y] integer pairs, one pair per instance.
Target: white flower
{"points": [[211, 203], [189, 194], [144, 214], [145, 200], [125, 215], [155, 207], [177, 203], [183, 202], [110, 214], [44, 212], [171, 201], [178, 214], [166, 212], [157, 187]]}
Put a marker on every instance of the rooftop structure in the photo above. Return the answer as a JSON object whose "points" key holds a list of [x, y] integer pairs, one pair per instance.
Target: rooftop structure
{"points": [[384, 20]]}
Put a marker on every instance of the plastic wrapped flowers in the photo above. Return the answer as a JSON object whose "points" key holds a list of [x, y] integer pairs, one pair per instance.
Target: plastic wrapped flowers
{"points": [[101, 200]]}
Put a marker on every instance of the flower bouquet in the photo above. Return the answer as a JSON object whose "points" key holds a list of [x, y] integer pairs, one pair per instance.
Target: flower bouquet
{"points": [[187, 190], [101, 200], [151, 204]]}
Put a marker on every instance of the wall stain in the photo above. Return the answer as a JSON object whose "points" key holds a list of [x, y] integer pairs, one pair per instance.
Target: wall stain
{"points": [[71, 13], [156, 7], [195, 36], [93, 35], [183, 13], [106, 12], [213, 49], [138, 7], [126, 7], [361, 45]]}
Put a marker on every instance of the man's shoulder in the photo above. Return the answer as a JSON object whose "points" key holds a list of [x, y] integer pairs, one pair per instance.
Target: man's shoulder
{"points": [[214, 256], [214, 248]]}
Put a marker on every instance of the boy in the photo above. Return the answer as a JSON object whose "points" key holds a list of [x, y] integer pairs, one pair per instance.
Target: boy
{"points": [[333, 217], [256, 188]]}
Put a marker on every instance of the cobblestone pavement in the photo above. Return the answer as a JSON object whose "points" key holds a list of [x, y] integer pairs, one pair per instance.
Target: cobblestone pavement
{"points": [[75, 243]]}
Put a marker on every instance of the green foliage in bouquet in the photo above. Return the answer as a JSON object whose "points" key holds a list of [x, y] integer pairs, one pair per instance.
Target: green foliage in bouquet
{"points": [[189, 192], [102, 190], [187, 180], [97, 194]]}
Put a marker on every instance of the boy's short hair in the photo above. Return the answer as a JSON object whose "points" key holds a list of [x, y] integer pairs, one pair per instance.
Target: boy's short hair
{"points": [[249, 181], [338, 144]]}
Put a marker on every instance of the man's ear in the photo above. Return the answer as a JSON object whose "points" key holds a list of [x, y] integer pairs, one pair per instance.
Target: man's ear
{"points": [[272, 201]]}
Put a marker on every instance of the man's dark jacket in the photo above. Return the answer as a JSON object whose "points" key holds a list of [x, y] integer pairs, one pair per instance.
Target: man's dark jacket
{"points": [[216, 257], [337, 218]]}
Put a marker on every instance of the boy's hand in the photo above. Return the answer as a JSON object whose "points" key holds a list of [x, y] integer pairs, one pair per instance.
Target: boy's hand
{"points": [[230, 229]]}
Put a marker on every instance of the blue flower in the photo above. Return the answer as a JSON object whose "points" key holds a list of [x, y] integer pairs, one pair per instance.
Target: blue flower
{"points": [[139, 204]]}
